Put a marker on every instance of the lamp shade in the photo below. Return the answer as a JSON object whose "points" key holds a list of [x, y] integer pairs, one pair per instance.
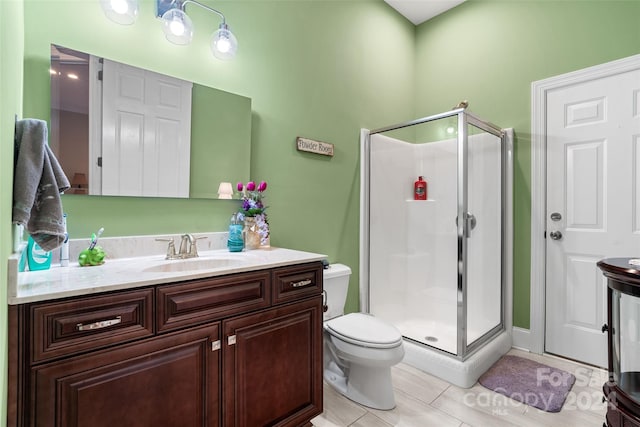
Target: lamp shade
{"points": [[224, 44], [177, 26], [79, 180], [122, 12], [225, 191]]}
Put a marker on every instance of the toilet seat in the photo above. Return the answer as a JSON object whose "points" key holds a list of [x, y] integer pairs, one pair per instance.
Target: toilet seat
{"points": [[364, 330]]}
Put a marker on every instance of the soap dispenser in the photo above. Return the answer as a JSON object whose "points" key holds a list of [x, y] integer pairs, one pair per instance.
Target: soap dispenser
{"points": [[235, 243]]}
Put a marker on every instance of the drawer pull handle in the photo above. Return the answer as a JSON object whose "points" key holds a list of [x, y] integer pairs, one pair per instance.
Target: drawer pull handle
{"points": [[98, 325], [301, 283]]}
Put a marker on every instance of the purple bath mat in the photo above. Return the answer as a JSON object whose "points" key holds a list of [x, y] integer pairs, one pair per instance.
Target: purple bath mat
{"points": [[529, 382]]}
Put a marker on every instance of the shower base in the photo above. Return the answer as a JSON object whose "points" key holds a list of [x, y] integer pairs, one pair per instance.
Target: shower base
{"points": [[461, 373], [441, 335]]}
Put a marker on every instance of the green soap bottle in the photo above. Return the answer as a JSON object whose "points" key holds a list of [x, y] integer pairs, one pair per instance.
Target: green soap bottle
{"points": [[37, 258]]}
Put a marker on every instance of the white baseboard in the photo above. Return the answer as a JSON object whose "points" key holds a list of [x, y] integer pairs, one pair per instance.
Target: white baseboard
{"points": [[520, 338]]}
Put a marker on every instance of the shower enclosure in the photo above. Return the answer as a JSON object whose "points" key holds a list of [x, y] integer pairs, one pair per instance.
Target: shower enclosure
{"points": [[439, 269]]}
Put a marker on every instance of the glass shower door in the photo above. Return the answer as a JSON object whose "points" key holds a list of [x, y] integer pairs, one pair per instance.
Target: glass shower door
{"points": [[412, 243], [484, 242]]}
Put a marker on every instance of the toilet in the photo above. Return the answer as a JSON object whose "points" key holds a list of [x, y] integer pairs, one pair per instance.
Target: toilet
{"points": [[359, 349]]}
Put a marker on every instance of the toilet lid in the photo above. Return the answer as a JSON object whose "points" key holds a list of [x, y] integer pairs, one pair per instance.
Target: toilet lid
{"points": [[365, 330]]}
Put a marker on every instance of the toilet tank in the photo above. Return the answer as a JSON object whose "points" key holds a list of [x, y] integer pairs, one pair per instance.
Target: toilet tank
{"points": [[336, 285]]}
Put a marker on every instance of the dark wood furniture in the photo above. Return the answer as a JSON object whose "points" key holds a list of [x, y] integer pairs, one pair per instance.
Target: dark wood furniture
{"points": [[240, 350], [622, 390]]}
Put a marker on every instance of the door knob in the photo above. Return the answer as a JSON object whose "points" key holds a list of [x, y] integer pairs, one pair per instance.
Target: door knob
{"points": [[555, 235]]}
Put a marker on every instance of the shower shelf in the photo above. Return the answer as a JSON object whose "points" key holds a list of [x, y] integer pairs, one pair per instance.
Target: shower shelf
{"points": [[419, 201]]}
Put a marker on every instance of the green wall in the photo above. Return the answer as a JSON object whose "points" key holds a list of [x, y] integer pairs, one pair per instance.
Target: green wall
{"points": [[489, 52], [11, 50], [318, 69], [323, 70]]}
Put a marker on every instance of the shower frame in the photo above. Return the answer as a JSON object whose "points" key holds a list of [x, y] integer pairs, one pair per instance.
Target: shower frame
{"points": [[464, 119]]}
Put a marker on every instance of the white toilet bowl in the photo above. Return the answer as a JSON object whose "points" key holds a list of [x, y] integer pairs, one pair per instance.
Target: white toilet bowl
{"points": [[359, 349], [359, 353]]}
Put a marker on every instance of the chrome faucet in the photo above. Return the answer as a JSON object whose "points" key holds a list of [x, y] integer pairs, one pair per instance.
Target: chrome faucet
{"points": [[188, 247]]}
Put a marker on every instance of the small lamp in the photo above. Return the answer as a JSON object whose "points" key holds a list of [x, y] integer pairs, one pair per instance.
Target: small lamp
{"points": [[79, 183], [225, 191]]}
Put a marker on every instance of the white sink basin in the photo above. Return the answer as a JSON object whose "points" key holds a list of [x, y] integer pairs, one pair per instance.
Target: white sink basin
{"points": [[193, 264]]}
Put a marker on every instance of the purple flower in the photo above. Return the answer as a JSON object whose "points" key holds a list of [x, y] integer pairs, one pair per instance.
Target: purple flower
{"points": [[251, 196]]}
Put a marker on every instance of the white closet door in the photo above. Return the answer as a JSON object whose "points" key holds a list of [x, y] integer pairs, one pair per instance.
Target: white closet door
{"points": [[146, 139], [593, 206]]}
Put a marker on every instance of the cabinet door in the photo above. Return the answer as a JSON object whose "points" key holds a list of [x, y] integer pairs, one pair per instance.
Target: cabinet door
{"points": [[272, 366], [171, 381]]}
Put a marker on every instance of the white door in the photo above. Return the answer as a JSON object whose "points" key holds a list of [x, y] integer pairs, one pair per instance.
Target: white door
{"points": [[146, 139], [593, 206]]}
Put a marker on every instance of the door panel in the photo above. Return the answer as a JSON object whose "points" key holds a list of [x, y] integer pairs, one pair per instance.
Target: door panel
{"points": [[592, 209], [146, 121], [169, 381], [272, 363]]}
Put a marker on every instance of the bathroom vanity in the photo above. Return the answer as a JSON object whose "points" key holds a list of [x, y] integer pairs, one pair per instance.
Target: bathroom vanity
{"points": [[233, 343]]}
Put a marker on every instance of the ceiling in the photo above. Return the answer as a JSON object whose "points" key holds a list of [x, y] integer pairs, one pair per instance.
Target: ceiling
{"points": [[418, 11]]}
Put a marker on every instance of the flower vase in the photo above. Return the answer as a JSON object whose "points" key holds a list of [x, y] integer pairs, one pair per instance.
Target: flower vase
{"points": [[251, 233]]}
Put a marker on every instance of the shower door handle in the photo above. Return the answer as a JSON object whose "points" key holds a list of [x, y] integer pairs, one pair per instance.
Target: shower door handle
{"points": [[470, 222]]}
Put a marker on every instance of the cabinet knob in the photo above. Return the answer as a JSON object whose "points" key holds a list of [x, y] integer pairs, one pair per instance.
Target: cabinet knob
{"points": [[605, 328]]}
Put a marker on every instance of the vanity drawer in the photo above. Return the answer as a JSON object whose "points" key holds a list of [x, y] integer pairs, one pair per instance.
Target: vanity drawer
{"points": [[198, 301], [295, 282], [81, 324]]}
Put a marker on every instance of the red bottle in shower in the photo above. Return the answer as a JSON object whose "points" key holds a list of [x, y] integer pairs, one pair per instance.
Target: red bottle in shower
{"points": [[420, 189]]}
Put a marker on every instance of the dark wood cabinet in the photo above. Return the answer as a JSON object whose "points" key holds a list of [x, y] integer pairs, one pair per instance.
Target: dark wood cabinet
{"points": [[267, 360], [207, 352], [171, 381], [622, 391]]}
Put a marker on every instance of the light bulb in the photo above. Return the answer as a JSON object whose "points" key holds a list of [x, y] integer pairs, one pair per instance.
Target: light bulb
{"points": [[119, 6], [177, 27], [123, 12], [223, 43]]}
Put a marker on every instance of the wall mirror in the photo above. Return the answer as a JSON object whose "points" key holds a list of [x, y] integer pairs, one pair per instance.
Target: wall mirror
{"points": [[125, 131]]}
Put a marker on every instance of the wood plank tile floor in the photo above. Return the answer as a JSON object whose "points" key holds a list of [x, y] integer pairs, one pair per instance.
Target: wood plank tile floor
{"points": [[423, 400]]}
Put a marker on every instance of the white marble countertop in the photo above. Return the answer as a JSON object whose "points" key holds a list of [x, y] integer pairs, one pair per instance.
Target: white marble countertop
{"points": [[127, 273]]}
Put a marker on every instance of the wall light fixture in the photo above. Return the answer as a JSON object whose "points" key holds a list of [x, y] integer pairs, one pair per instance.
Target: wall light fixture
{"points": [[176, 24], [178, 27]]}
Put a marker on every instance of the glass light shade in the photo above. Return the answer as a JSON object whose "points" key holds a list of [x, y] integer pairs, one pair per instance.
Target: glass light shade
{"points": [[122, 12], [223, 43], [177, 26]]}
